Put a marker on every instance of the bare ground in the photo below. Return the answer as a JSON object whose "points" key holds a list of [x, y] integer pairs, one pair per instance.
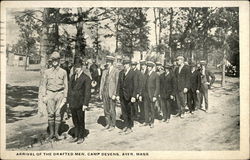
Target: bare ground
{"points": [[216, 130]]}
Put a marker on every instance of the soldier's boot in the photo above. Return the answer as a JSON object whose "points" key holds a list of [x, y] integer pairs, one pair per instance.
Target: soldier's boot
{"points": [[51, 130], [56, 132]]}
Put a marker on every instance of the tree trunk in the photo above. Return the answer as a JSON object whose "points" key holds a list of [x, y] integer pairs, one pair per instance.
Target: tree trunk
{"points": [[160, 28], [117, 34], [170, 33], [43, 54], [80, 40], [155, 22]]}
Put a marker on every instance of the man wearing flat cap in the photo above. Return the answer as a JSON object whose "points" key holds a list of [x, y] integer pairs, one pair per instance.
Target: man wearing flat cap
{"points": [[55, 94], [166, 91], [207, 80], [79, 96], [152, 88], [193, 94], [108, 89], [182, 84], [127, 94]]}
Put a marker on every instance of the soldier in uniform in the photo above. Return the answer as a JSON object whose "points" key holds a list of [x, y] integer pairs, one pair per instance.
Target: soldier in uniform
{"points": [[108, 93], [55, 94]]}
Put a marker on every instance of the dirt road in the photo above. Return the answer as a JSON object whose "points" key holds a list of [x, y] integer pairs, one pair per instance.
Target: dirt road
{"points": [[216, 130]]}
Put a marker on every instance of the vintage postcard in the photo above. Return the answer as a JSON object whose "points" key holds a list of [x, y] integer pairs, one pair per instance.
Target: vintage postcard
{"points": [[124, 80]]}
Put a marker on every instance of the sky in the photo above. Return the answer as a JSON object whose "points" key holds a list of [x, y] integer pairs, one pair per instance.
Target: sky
{"points": [[13, 30]]}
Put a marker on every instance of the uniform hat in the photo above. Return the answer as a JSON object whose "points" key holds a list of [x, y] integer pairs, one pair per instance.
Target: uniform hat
{"points": [[180, 57], [158, 63], [110, 58], [203, 62], [150, 63], [55, 55], [133, 63], [126, 61]]}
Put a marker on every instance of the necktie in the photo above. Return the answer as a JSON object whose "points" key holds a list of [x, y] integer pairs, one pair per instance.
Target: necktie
{"points": [[76, 76]]}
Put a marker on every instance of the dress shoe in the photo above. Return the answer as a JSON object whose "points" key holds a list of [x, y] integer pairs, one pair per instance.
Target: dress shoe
{"points": [[58, 137], [182, 116], [107, 127], [145, 124], [111, 129], [163, 120], [167, 121], [80, 140], [129, 130], [73, 140], [125, 129], [151, 125]]}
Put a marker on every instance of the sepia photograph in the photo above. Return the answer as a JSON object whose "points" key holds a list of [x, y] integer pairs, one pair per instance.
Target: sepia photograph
{"points": [[113, 79]]}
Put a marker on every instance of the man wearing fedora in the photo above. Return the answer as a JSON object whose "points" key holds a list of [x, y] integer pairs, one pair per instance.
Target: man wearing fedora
{"points": [[166, 91], [108, 89], [181, 85], [207, 80], [135, 112], [152, 88], [127, 94], [79, 96], [55, 94], [195, 87]]}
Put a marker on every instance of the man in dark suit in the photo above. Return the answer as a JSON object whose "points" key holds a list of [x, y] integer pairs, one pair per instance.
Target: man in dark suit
{"points": [[142, 81], [166, 92], [195, 85], [182, 85], [127, 94], [152, 87], [135, 112], [207, 80], [79, 96]]}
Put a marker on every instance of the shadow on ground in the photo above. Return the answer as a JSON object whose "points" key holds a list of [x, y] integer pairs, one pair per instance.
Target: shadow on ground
{"points": [[21, 102]]}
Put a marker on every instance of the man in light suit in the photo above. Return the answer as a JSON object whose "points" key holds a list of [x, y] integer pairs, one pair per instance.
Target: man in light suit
{"points": [[152, 87], [182, 85], [108, 93]]}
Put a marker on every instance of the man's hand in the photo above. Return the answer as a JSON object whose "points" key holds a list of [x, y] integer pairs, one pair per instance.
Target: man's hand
{"points": [[154, 99], [133, 99], [84, 107], [118, 98], [137, 96], [171, 97], [64, 100], [140, 98], [185, 90], [113, 97], [207, 83], [197, 91]]}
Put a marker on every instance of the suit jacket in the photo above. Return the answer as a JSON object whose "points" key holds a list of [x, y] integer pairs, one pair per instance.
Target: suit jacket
{"points": [[79, 91], [195, 80], [182, 79], [152, 85], [127, 84], [142, 83], [166, 85], [93, 70], [112, 81], [137, 85]]}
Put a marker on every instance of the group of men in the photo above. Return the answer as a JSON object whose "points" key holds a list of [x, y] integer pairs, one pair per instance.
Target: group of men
{"points": [[139, 90]]}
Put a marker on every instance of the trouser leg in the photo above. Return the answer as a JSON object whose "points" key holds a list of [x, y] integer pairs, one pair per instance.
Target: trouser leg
{"points": [[141, 110], [106, 107], [198, 101], [75, 121], [146, 109], [180, 102], [112, 112], [124, 112], [81, 123], [130, 116], [168, 108], [164, 108], [152, 112]]}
